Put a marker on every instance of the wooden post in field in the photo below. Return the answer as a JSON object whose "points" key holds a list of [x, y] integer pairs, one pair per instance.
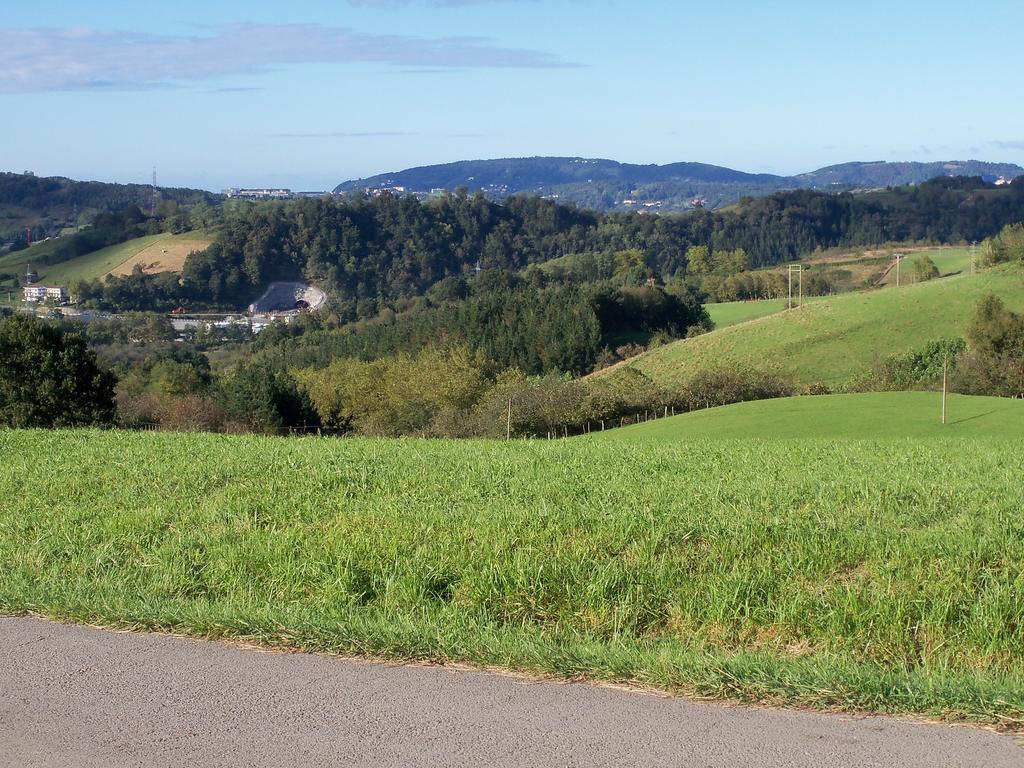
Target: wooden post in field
{"points": [[799, 268], [899, 258], [508, 424], [945, 363]]}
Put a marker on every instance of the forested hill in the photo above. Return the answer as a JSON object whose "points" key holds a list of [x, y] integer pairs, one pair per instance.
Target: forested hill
{"points": [[885, 174], [609, 185], [366, 252], [49, 204]]}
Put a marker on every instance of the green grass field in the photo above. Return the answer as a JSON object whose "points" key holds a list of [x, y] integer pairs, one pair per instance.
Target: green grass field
{"points": [[872, 415], [726, 313], [876, 575], [91, 265], [950, 261], [837, 338]]}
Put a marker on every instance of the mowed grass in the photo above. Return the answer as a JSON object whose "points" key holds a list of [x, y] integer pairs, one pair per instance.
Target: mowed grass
{"points": [[950, 261], [147, 250], [87, 267], [863, 575], [165, 255], [873, 415], [726, 313], [836, 338]]}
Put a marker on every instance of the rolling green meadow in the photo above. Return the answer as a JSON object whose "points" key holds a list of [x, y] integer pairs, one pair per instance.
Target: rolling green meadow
{"points": [[869, 415], [91, 265], [726, 313], [834, 339], [950, 261], [879, 574]]}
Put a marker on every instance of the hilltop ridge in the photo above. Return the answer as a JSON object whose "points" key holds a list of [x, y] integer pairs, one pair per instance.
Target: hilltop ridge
{"points": [[609, 185]]}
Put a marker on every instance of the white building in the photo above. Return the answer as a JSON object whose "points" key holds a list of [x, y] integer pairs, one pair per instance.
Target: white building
{"points": [[55, 293]]}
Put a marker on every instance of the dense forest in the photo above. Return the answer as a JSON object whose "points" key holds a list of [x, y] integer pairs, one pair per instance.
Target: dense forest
{"points": [[49, 204], [527, 324], [369, 253]]}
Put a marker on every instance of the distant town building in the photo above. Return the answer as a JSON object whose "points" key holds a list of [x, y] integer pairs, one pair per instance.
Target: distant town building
{"points": [[37, 293], [258, 194]]}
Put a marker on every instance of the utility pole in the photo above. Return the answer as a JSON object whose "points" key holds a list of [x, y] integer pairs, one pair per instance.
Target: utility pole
{"points": [[899, 258], [800, 284], [156, 194], [945, 365]]}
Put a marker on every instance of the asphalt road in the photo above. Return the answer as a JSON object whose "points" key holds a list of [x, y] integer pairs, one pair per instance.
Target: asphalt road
{"points": [[73, 696]]}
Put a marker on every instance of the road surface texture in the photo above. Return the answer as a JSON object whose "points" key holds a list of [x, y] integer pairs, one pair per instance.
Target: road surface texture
{"points": [[74, 696]]}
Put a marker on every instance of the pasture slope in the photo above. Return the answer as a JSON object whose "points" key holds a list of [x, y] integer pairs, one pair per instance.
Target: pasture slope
{"points": [[726, 313], [872, 575], [861, 269], [950, 261], [836, 338], [156, 253], [870, 415]]}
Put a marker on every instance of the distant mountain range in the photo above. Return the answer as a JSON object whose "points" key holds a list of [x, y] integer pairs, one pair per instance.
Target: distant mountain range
{"points": [[608, 185]]}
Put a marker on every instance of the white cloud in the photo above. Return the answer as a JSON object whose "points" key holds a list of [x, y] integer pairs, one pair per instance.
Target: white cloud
{"points": [[1008, 144], [47, 59]]}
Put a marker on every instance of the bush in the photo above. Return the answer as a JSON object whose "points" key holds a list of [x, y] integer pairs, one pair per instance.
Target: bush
{"points": [[1008, 245], [995, 364], [925, 269], [723, 386], [50, 379], [917, 369]]}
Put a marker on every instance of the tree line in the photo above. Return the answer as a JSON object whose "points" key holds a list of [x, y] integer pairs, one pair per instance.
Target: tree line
{"points": [[372, 252], [53, 378], [528, 323]]}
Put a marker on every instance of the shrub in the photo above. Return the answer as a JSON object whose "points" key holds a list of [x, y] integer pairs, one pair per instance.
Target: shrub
{"points": [[925, 269], [722, 386], [995, 364], [49, 378], [1008, 245], [920, 368]]}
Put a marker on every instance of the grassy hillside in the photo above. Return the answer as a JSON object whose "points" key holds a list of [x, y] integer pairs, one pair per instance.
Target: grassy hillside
{"points": [[874, 415], [726, 313], [148, 251], [950, 261], [839, 337], [872, 575], [167, 254]]}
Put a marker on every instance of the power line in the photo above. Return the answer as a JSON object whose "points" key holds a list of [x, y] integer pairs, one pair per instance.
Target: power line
{"points": [[156, 194]]}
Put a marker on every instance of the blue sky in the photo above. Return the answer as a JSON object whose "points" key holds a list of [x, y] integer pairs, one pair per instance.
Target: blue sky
{"points": [[310, 93]]}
